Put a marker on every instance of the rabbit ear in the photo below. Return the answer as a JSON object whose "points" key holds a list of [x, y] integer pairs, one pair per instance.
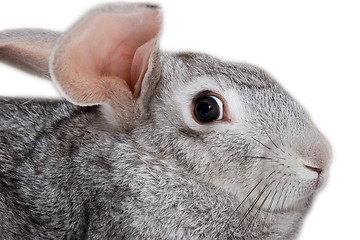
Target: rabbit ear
{"points": [[28, 49], [103, 58]]}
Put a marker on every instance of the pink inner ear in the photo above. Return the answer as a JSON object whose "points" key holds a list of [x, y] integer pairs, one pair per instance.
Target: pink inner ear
{"points": [[140, 65], [125, 47], [107, 54]]}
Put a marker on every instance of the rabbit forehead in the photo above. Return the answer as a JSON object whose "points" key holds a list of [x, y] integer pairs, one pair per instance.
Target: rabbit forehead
{"points": [[188, 65]]}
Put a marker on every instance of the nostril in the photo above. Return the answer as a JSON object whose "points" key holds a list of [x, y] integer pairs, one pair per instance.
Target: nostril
{"points": [[315, 169], [320, 175]]}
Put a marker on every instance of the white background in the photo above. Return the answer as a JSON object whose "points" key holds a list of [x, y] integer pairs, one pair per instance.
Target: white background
{"points": [[311, 47]]}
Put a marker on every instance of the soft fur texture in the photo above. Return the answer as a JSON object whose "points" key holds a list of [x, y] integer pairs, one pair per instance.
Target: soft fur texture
{"points": [[68, 172]]}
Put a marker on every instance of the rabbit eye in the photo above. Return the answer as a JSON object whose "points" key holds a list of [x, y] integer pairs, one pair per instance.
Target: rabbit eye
{"points": [[208, 109]]}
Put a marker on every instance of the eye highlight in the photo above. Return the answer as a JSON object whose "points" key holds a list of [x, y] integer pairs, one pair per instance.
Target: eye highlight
{"points": [[208, 108]]}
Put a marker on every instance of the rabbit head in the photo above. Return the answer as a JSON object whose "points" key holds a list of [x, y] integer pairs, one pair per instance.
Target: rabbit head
{"points": [[232, 125]]}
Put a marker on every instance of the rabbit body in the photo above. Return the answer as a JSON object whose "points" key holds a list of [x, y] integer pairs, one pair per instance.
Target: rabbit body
{"points": [[55, 186], [142, 166]]}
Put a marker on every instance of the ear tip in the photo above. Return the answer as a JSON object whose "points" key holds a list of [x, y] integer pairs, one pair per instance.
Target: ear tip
{"points": [[129, 7], [153, 6]]}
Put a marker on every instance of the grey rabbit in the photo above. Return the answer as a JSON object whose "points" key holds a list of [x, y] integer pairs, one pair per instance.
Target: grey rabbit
{"points": [[150, 144]]}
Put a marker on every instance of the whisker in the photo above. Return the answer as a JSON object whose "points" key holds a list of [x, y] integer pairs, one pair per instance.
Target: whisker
{"points": [[261, 143], [260, 207], [271, 138], [279, 134], [251, 207], [286, 196], [273, 198], [246, 197], [253, 204], [258, 157], [297, 193], [269, 159], [271, 201], [281, 193], [268, 211]]}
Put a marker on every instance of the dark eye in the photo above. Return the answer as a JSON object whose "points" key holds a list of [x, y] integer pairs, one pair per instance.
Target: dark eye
{"points": [[208, 109]]}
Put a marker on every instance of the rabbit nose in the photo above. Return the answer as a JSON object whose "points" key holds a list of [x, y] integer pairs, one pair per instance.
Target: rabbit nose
{"points": [[315, 152], [314, 156]]}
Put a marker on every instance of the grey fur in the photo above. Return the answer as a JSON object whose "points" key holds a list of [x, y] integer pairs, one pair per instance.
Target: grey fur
{"points": [[65, 173]]}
